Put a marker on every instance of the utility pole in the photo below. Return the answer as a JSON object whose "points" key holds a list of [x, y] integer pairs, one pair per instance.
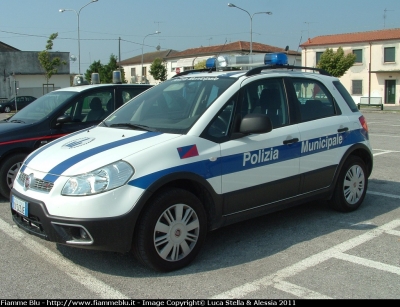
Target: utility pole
{"points": [[119, 53]]}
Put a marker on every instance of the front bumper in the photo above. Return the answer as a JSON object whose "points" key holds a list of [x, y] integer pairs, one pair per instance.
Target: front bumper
{"points": [[107, 234]]}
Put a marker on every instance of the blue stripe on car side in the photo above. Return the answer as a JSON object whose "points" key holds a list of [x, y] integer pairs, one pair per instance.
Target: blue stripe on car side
{"points": [[205, 169], [235, 163], [63, 166]]}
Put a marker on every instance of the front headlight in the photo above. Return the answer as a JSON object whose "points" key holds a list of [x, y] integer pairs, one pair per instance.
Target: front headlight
{"points": [[100, 180]]}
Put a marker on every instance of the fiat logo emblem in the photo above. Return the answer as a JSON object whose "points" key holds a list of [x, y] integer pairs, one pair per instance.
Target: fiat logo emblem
{"points": [[28, 181]]}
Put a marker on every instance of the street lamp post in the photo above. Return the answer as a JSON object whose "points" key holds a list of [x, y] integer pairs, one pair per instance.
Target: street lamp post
{"points": [[251, 23], [157, 32], [79, 38]]}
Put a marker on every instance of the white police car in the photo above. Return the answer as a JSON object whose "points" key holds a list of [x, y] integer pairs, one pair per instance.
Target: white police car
{"points": [[202, 150]]}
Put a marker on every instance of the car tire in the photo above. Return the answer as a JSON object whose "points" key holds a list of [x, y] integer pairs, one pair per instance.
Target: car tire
{"points": [[171, 231], [8, 171], [7, 109], [351, 186]]}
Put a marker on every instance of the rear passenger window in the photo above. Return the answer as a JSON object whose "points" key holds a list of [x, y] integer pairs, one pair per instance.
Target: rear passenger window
{"points": [[314, 99], [346, 96]]}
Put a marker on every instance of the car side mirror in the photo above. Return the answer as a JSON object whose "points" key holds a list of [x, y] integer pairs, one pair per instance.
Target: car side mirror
{"points": [[255, 123], [63, 119]]}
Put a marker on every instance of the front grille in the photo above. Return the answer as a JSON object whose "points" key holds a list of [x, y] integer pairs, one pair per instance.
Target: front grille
{"points": [[36, 184]]}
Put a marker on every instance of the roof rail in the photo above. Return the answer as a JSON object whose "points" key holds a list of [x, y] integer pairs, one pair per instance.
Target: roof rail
{"points": [[194, 71], [257, 70]]}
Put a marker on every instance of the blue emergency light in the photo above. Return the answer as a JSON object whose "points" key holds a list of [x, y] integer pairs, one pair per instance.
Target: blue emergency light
{"points": [[275, 59], [211, 63], [254, 60]]}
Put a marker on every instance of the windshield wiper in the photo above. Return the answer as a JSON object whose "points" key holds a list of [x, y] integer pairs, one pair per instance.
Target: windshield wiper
{"points": [[17, 121], [133, 126]]}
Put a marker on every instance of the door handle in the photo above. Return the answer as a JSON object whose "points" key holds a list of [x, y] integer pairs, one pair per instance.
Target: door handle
{"points": [[343, 129], [286, 142]]}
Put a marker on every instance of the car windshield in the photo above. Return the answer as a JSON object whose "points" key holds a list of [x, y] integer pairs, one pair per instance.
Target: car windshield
{"points": [[42, 107], [172, 106]]}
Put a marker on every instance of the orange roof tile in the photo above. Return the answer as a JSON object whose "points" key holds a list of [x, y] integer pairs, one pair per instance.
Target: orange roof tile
{"points": [[239, 46], [147, 57], [357, 37]]}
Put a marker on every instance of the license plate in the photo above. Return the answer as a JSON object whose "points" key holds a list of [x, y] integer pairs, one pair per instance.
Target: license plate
{"points": [[19, 205]]}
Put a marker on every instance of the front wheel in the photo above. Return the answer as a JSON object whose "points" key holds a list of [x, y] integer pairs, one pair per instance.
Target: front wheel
{"points": [[8, 172], [7, 109], [171, 231], [351, 186]]}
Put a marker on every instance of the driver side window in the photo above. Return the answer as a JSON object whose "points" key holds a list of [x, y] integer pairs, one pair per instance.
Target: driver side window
{"points": [[218, 129]]}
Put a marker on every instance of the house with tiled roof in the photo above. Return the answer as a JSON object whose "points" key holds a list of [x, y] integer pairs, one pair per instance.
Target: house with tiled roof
{"points": [[134, 65], [375, 75], [180, 61]]}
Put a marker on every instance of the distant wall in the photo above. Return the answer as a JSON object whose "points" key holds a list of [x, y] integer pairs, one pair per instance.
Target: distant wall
{"points": [[24, 68], [27, 62]]}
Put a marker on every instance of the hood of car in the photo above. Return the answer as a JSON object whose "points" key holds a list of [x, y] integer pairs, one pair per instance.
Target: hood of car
{"points": [[89, 149], [7, 127]]}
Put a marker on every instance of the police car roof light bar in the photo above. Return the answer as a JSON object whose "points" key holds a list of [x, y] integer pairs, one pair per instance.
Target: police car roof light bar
{"points": [[229, 61], [255, 63]]}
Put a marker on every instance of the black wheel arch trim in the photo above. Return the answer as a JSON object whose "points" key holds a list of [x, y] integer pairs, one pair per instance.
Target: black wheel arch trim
{"points": [[359, 150], [194, 183]]}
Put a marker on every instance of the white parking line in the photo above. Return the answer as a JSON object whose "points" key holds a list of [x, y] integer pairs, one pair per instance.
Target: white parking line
{"points": [[72, 270], [383, 194], [384, 152], [385, 135], [381, 153], [299, 291], [369, 263], [334, 252]]}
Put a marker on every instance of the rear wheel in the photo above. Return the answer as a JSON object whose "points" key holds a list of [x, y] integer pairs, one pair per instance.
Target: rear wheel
{"points": [[351, 186], [8, 172], [171, 231]]}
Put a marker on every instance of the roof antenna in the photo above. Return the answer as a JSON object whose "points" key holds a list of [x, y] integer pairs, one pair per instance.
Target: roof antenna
{"points": [[301, 37], [384, 16]]}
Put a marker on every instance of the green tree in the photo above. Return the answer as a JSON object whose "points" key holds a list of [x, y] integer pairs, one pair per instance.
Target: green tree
{"points": [[158, 70], [105, 71], [200, 65], [49, 63], [336, 63], [110, 67]]}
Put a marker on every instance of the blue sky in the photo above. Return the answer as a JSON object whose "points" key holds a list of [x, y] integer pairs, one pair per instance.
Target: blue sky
{"points": [[184, 24]]}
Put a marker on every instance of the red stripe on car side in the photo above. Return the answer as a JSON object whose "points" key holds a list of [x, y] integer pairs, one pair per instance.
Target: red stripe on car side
{"points": [[34, 139]]}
